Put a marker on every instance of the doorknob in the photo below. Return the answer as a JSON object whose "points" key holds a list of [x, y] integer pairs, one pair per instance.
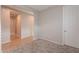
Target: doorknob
{"points": [[65, 31]]}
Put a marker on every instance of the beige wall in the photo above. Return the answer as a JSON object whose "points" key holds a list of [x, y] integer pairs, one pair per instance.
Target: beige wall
{"points": [[27, 25], [0, 28]]}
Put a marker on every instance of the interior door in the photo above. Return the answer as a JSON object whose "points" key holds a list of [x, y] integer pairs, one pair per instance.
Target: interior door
{"points": [[71, 27]]}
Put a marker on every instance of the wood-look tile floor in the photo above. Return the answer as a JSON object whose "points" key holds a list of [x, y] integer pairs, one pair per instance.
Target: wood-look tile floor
{"points": [[9, 47], [39, 46]]}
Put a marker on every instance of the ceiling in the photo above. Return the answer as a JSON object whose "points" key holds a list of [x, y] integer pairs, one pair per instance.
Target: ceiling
{"points": [[40, 7]]}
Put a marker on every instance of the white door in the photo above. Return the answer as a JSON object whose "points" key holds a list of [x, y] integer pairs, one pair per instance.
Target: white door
{"points": [[71, 26]]}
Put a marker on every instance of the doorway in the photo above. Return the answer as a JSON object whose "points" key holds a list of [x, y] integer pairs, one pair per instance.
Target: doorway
{"points": [[15, 26]]}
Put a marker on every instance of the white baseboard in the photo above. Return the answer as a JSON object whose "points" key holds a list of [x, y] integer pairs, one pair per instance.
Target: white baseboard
{"points": [[51, 40]]}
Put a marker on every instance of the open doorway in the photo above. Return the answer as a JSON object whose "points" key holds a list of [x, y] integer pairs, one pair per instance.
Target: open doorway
{"points": [[15, 26], [17, 29]]}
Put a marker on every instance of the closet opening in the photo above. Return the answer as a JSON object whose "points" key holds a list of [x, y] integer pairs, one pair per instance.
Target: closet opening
{"points": [[15, 26]]}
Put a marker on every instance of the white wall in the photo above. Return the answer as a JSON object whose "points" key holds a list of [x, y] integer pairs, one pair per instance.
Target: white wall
{"points": [[54, 21], [27, 25], [36, 26], [5, 25], [71, 25], [51, 24]]}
